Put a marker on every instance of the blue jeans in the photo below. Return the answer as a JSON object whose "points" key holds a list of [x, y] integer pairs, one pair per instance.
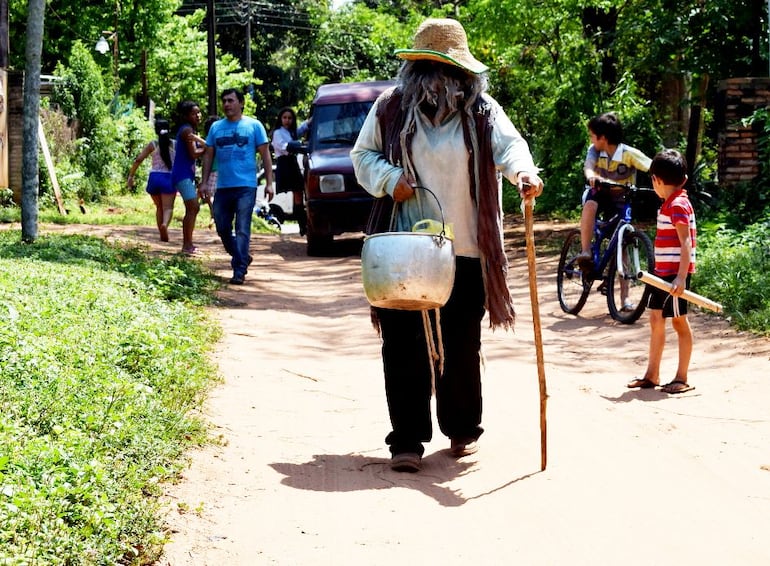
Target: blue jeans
{"points": [[235, 206]]}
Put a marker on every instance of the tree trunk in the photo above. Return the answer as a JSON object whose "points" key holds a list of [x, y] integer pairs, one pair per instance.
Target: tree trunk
{"points": [[30, 185], [600, 26], [212, 62], [695, 131]]}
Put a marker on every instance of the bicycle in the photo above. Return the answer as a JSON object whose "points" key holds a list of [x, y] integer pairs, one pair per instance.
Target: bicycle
{"points": [[262, 210], [617, 266]]}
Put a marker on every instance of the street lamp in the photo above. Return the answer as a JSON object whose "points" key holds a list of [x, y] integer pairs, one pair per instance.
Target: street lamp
{"points": [[102, 46]]}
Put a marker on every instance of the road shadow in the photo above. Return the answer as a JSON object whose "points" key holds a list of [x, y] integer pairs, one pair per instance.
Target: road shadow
{"points": [[358, 472], [647, 395]]}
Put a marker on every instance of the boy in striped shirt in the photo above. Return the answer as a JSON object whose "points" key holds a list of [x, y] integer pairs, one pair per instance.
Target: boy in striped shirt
{"points": [[607, 159], [674, 262]]}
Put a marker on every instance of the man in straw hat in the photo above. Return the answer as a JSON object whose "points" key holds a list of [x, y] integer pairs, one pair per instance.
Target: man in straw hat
{"points": [[438, 129]]}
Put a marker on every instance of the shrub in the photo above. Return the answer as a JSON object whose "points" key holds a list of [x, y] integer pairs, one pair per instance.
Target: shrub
{"points": [[732, 268]]}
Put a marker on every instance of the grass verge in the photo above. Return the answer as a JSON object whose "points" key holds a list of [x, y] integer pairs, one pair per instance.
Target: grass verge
{"points": [[122, 210], [104, 361]]}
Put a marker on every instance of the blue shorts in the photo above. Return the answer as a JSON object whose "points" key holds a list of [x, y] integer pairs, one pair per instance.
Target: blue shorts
{"points": [[671, 306], [186, 188], [159, 183]]}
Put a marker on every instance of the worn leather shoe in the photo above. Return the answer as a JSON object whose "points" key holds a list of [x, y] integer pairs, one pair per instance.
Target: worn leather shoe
{"points": [[406, 462], [463, 447]]}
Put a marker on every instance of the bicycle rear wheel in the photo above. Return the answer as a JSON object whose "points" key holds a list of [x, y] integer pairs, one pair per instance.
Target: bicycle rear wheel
{"points": [[572, 288], [627, 294]]}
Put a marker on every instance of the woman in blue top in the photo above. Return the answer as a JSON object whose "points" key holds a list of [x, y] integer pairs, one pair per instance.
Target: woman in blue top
{"points": [[189, 147]]}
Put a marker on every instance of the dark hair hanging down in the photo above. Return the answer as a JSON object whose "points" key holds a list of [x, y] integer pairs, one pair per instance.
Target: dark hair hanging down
{"points": [[164, 140], [279, 123]]}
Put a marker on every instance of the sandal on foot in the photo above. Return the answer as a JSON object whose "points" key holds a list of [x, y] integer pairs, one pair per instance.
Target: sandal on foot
{"points": [[641, 383], [677, 386]]}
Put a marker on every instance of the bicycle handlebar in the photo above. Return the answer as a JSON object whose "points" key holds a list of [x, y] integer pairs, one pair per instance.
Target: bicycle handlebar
{"points": [[629, 187]]}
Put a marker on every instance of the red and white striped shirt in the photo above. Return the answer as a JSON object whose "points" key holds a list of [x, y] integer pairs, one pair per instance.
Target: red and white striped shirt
{"points": [[677, 209]]}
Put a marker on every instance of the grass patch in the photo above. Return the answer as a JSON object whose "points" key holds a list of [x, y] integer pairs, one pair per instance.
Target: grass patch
{"points": [[732, 269], [104, 357], [121, 210]]}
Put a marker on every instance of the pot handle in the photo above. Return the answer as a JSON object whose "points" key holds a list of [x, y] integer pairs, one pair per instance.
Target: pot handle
{"points": [[443, 232]]}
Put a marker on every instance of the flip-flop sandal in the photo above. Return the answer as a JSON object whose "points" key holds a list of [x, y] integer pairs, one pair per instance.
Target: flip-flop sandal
{"points": [[642, 383], [676, 387]]}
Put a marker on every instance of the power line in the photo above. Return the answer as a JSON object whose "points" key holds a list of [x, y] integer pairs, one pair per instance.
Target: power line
{"points": [[241, 11]]}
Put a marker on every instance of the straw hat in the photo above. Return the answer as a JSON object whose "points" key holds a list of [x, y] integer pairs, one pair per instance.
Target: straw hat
{"points": [[443, 40]]}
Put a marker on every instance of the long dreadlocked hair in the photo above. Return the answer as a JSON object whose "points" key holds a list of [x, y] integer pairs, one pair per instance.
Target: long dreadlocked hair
{"points": [[439, 87]]}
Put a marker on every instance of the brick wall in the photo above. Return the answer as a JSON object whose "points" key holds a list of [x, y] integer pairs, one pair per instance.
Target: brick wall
{"points": [[738, 99]]}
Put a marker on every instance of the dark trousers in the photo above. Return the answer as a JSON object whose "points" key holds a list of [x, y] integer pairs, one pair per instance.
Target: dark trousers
{"points": [[407, 366]]}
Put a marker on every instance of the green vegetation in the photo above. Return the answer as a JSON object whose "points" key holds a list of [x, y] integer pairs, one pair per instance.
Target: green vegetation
{"points": [[104, 356], [553, 65], [734, 243], [122, 210], [103, 353], [732, 269]]}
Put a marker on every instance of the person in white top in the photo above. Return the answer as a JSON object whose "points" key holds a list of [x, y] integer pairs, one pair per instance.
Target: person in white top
{"points": [[437, 128], [159, 185], [288, 175]]}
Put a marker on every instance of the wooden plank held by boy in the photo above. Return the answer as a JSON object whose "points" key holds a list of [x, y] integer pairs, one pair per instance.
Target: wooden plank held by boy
{"points": [[689, 296]]}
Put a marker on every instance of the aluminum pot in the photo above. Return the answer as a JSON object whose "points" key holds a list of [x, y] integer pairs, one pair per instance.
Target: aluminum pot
{"points": [[408, 270]]}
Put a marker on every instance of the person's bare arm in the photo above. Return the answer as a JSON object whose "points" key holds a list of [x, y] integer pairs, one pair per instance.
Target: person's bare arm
{"points": [[206, 160], [144, 154], [679, 285], [194, 148], [267, 163]]}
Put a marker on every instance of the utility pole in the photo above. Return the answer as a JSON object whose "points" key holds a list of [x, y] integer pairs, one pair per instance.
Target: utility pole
{"points": [[248, 42], [212, 67]]}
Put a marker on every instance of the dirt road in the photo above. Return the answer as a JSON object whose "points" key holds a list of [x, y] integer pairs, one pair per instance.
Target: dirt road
{"points": [[301, 474]]}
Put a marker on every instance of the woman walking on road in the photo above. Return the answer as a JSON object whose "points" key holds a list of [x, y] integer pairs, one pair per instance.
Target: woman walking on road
{"points": [[159, 185], [189, 147]]}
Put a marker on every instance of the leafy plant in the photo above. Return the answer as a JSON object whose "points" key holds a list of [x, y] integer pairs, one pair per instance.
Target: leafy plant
{"points": [[733, 266], [98, 397]]}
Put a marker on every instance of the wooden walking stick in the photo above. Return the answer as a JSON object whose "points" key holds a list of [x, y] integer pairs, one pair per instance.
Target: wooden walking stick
{"points": [[529, 231]]}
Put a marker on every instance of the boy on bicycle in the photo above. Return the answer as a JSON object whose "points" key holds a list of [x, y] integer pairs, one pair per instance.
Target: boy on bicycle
{"points": [[607, 159], [674, 262]]}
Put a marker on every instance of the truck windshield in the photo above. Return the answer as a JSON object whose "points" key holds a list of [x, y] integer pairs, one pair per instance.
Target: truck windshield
{"points": [[338, 124]]}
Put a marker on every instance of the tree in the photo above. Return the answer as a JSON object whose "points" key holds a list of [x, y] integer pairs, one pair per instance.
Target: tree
{"points": [[30, 174], [177, 66]]}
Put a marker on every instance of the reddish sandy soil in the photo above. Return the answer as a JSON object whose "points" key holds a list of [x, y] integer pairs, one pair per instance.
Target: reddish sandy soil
{"points": [[300, 476]]}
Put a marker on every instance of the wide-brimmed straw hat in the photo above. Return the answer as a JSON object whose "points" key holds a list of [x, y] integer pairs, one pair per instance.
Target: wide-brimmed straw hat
{"points": [[443, 40]]}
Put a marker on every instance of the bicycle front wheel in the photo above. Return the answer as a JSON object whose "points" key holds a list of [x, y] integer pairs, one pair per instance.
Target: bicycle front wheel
{"points": [[572, 288], [627, 294]]}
